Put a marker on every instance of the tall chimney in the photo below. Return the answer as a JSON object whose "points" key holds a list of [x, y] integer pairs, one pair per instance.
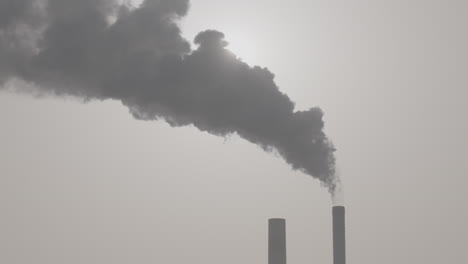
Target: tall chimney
{"points": [[276, 241], [339, 241]]}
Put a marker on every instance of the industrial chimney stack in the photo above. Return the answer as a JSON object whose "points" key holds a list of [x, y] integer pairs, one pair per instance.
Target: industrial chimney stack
{"points": [[276, 241], [339, 242], [277, 238]]}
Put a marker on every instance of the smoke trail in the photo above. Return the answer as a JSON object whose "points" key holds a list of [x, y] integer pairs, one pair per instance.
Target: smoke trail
{"points": [[337, 192], [102, 49]]}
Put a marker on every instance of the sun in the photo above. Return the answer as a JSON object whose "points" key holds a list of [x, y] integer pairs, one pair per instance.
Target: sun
{"points": [[242, 45]]}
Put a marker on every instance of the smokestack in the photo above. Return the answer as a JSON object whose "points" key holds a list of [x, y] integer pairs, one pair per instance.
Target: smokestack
{"points": [[339, 241], [276, 241]]}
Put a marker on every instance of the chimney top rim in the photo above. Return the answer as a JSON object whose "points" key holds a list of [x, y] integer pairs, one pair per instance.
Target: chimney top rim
{"points": [[276, 219]]}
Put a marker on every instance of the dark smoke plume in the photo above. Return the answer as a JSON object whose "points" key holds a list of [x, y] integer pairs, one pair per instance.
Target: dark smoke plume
{"points": [[103, 49]]}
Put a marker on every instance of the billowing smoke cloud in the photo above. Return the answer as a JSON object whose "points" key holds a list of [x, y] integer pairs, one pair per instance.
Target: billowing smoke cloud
{"points": [[103, 49]]}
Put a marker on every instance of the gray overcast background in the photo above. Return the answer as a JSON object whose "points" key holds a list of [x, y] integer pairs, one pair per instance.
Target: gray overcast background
{"points": [[86, 183]]}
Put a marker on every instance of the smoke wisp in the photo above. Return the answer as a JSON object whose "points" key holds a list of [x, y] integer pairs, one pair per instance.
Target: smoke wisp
{"points": [[104, 49]]}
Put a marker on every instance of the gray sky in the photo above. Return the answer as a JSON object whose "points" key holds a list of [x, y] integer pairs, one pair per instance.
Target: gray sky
{"points": [[87, 183]]}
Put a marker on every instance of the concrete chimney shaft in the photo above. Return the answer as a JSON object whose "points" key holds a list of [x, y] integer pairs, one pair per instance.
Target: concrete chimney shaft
{"points": [[276, 241], [339, 241]]}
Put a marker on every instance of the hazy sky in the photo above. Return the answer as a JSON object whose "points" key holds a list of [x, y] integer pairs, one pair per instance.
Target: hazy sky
{"points": [[87, 183]]}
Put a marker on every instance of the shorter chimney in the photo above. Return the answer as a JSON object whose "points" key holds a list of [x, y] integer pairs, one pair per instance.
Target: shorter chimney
{"points": [[276, 241]]}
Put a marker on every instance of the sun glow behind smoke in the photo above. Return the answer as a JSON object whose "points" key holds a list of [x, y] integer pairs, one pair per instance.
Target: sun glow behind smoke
{"points": [[242, 45]]}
